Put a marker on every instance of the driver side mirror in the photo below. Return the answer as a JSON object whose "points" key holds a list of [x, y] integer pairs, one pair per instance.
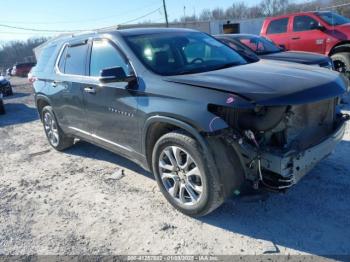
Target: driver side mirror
{"points": [[283, 47], [320, 27], [115, 74]]}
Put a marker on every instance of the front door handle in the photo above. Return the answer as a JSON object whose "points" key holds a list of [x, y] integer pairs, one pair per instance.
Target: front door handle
{"points": [[90, 90], [54, 83], [296, 38]]}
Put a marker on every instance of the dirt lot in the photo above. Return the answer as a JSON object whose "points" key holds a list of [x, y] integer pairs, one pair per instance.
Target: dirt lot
{"points": [[70, 203]]}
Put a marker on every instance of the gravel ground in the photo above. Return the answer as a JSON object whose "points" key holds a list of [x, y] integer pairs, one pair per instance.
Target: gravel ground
{"points": [[74, 203]]}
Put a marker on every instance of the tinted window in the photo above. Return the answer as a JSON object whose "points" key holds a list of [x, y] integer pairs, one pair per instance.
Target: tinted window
{"points": [[278, 26], [259, 45], [182, 52], [304, 23], [333, 18], [45, 57], [105, 55], [75, 60]]}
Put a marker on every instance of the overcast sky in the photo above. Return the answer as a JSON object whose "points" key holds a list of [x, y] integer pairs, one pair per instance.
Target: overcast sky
{"points": [[90, 14]]}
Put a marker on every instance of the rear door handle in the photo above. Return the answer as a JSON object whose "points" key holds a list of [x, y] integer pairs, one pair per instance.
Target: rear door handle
{"points": [[90, 90], [296, 38]]}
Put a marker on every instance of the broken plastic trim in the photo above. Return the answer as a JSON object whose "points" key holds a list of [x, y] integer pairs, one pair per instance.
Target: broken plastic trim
{"points": [[280, 171]]}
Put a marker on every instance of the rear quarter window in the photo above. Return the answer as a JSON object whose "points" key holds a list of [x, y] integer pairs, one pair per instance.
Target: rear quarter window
{"points": [[45, 57], [278, 26]]}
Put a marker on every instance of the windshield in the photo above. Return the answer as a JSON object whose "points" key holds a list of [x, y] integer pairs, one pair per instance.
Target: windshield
{"points": [[179, 53], [259, 45], [333, 18]]}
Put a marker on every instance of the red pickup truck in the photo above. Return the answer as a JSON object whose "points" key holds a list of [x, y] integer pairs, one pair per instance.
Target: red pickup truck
{"points": [[320, 32]]}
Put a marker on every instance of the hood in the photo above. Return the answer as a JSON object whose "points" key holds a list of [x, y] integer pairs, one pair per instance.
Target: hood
{"points": [[270, 82], [298, 57], [339, 32]]}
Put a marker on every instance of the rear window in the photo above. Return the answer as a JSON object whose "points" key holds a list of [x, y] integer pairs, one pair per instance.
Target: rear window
{"points": [[278, 26], [74, 60], [45, 57]]}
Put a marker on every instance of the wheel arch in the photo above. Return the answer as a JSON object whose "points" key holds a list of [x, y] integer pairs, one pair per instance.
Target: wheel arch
{"points": [[156, 126], [41, 101], [160, 125], [343, 46]]}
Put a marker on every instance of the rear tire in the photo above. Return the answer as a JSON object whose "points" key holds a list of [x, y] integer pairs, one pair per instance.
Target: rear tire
{"points": [[56, 137], [2, 107], [10, 92], [185, 178]]}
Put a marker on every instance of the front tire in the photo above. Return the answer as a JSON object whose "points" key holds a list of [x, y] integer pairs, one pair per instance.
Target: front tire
{"points": [[183, 176], [56, 137], [342, 62]]}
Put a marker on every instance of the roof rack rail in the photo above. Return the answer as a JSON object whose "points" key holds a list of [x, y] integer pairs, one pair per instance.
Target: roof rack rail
{"points": [[84, 33]]}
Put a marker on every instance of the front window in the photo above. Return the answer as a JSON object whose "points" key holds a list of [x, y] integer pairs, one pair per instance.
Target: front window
{"points": [[304, 23], [182, 53], [259, 45], [105, 55], [333, 18]]}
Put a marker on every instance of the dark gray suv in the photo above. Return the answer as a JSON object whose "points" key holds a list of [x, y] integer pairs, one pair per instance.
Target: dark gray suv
{"points": [[205, 120]]}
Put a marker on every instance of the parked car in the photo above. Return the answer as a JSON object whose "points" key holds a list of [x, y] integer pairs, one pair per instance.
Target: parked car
{"points": [[5, 87], [2, 107], [190, 109], [9, 71], [266, 49], [22, 69], [325, 32]]}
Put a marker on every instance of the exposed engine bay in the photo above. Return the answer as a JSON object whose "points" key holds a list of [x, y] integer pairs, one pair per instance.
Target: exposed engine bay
{"points": [[278, 145]]}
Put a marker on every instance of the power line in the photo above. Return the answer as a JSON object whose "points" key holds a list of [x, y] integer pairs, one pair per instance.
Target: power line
{"points": [[37, 30], [78, 21], [17, 33], [140, 17], [76, 30], [334, 6]]}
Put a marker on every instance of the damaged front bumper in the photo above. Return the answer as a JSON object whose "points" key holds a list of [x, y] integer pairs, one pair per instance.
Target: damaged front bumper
{"points": [[290, 167], [280, 170]]}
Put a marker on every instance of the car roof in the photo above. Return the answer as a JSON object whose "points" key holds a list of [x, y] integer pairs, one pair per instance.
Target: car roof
{"points": [[296, 13], [148, 31], [124, 32]]}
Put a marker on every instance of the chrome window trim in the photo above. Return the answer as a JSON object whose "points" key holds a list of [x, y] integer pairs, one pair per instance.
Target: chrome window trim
{"points": [[57, 70]]}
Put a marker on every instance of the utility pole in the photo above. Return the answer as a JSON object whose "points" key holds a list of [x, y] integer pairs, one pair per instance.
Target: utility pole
{"points": [[166, 14]]}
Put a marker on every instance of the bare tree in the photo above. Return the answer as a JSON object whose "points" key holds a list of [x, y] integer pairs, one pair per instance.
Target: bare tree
{"points": [[274, 7], [18, 51], [218, 13], [205, 15]]}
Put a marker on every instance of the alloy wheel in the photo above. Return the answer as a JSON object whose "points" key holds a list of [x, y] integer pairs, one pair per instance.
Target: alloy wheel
{"points": [[180, 175], [51, 129]]}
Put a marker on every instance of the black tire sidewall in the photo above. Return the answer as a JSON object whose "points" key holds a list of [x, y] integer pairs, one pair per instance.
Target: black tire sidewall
{"points": [[344, 58], [182, 141], [2, 107]]}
